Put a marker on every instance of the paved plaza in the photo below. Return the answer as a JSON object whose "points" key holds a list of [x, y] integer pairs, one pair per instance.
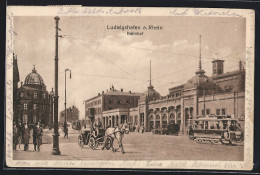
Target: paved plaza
{"points": [[137, 147]]}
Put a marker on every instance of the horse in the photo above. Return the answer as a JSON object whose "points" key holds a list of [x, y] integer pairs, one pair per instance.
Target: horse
{"points": [[118, 134]]}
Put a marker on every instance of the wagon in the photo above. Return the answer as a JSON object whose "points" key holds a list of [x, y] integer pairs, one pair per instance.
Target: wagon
{"points": [[88, 137]]}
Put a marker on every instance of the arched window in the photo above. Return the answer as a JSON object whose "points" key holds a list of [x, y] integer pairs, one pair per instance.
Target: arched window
{"points": [[164, 117]]}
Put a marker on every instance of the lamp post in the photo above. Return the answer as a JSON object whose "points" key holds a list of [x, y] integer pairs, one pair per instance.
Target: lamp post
{"points": [[55, 149], [51, 108], [66, 70]]}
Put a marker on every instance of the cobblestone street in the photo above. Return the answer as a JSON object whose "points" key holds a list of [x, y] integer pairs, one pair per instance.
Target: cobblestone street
{"points": [[137, 147]]}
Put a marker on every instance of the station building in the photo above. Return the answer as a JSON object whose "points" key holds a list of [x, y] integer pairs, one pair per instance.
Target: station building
{"points": [[202, 95]]}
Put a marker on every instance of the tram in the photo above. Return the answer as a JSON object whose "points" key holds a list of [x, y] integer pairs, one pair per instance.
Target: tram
{"points": [[216, 130]]}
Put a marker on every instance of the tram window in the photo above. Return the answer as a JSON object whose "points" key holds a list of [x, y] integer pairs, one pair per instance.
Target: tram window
{"points": [[208, 111], [218, 111], [223, 111], [206, 125]]}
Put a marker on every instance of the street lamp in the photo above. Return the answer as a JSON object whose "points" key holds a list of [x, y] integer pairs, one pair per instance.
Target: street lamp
{"points": [[55, 149], [66, 70]]}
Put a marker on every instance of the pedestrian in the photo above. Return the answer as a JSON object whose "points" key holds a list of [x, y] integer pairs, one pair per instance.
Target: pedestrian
{"points": [[37, 136], [97, 126], [20, 134], [15, 137], [134, 128], [66, 130], [26, 137]]}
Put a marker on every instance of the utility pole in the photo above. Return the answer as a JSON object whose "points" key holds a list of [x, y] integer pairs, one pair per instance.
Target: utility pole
{"points": [[55, 149], [65, 121]]}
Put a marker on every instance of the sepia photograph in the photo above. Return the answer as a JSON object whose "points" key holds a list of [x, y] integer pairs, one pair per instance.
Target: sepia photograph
{"points": [[130, 87]]}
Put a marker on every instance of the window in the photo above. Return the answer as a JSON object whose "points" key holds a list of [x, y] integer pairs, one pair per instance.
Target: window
{"points": [[214, 68], [223, 111], [202, 112], [218, 111], [127, 102], [35, 95], [110, 108], [110, 101], [43, 106], [34, 119], [208, 111], [118, 102], [25, 106], [25, 118], [219, 71], [34, 106], [44, 96], [21, 95]]}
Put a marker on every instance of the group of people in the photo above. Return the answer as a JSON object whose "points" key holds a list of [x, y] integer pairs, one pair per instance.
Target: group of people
{"points": [[21, 135]]}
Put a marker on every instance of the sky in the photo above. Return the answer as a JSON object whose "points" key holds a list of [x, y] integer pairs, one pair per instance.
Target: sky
{"points": [[99, 57]]}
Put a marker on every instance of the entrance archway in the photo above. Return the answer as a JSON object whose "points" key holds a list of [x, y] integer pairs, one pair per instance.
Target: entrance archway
{"points": [[164, 120], [151, 122], [157, 121], [172, 118]]}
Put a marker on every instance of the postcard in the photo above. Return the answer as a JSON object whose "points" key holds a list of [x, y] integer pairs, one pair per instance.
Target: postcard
{"points": [[129, 87]]}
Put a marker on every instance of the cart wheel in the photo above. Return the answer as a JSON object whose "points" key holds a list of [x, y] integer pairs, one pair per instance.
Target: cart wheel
{"points": [[80, 141], [92, 143], [108, 143]]}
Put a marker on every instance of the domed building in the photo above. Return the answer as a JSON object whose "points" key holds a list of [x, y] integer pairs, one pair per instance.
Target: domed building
{"points": [[34, 101]]}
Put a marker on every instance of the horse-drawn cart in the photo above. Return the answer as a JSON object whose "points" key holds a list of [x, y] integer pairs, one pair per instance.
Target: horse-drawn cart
{"points": [[88, 137]]}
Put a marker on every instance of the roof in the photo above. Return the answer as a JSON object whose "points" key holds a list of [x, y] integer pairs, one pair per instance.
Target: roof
{"points": [[227, 74], [117, 92], [150, 93], [177, 87], [200, 81], [113, 91], [33, 78]]}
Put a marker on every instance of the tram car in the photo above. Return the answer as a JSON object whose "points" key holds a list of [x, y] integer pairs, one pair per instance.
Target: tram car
{"points": [[216, 130]]}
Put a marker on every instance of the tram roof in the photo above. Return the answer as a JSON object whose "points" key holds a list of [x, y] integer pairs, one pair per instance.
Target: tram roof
{"points": [[213, 119]]}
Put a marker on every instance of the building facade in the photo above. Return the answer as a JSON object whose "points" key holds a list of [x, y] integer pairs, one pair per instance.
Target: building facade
{"points": [[220, 94], [111, 106], [72, 114], [32, 102]]}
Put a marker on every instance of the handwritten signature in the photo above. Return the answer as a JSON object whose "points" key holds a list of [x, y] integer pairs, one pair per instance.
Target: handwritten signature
{"points": [[98, 11], [203, 12]]}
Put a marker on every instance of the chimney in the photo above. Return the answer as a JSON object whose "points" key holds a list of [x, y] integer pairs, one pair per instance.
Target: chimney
{"points": [[122, 90]]}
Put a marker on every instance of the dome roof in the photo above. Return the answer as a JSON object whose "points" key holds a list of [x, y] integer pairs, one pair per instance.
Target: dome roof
{"points": [[33, 78], [150, 93], [200, 81]]}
